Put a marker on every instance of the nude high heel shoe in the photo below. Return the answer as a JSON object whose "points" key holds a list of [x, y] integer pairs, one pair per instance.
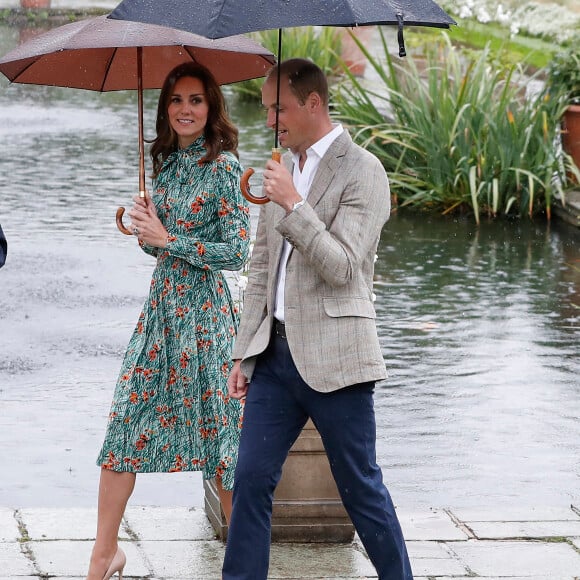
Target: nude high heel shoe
{"points": [[116, 565]]}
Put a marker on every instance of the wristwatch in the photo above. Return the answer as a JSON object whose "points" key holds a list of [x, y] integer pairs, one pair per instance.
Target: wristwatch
{"points": [[298, 204]]}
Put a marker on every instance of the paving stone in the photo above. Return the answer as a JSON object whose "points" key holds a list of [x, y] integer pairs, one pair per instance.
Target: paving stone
{"points": [[502, 530], [431, 525], [434, 558], [62, 524], [511, 558], [13, 562], [71, 558], [332, 560], [9, 531], [179, 523], [516, 514], [199, 560], [432, 550]]}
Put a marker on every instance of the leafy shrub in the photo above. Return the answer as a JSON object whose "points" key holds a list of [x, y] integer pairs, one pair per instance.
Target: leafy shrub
{"points": [[564, 75], [461, 135]]}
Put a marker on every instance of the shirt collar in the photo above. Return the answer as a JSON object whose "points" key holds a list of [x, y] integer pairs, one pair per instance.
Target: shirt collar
{"points": [[322, 145]]}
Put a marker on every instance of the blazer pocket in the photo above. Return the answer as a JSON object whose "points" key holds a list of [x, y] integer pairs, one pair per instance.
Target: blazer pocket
{"points": [[337, 307]]}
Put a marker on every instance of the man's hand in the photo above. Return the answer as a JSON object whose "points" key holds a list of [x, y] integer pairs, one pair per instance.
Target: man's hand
{"points": [[278, 185], [237, 382]]}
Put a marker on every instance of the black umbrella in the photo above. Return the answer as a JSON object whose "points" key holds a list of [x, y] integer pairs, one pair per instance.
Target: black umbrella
{"points": [[221, 18]]}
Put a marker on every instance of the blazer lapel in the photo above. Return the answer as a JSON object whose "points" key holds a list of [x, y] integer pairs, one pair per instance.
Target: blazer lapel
{"points": [[328, 167]]}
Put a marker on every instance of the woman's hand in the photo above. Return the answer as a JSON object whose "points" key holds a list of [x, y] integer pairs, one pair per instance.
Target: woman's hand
{"points": [[145, 224]]}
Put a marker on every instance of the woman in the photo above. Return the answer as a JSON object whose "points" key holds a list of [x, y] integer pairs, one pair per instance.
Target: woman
{"points": [[171, 411]]}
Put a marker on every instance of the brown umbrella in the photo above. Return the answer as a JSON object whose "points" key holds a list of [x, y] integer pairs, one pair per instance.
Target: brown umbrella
{"points": [[101, 54]]}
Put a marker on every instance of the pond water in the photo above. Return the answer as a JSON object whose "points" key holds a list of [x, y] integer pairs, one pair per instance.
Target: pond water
{"points": [[479, 326]]}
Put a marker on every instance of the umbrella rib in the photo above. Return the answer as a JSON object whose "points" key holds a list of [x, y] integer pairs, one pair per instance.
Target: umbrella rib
{"points": [[108, 68], [190, 51], [22, 71]]}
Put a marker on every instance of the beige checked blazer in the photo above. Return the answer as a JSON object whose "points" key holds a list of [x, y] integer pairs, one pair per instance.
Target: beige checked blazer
{"points": [[329, 312]]}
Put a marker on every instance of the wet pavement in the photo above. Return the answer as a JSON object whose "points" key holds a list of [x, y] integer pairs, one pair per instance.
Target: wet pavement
{"points": [[173, 543]]}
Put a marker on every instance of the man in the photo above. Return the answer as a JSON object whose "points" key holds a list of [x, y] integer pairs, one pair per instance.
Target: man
{"points": [[307, 345]]}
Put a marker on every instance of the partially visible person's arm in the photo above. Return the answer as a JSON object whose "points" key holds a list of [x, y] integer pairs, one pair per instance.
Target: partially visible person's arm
{"points": [[3, 248], [237, 382]]}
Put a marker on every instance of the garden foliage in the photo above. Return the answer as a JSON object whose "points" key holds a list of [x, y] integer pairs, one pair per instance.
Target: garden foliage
{"points": [[458, 132]]}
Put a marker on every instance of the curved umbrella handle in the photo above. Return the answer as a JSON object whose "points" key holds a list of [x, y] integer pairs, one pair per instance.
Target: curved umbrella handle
{"points": [[120, 225], [245, 181]]}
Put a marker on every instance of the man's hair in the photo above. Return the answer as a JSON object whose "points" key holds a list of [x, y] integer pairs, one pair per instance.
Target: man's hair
{"points": [[303, 76]]}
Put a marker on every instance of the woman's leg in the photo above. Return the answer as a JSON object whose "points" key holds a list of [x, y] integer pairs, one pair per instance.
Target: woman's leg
{"points": [[225, 499], [114, 491]]}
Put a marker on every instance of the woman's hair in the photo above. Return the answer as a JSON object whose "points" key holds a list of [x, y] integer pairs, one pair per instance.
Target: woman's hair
{"points": [[220, 133], [304, 77]]}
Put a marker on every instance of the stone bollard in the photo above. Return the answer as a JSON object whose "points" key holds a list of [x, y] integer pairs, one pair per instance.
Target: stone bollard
{"points": [[307, 506]]}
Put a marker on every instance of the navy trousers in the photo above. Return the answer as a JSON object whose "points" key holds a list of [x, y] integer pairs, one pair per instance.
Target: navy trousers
{"points": [[277, 407]]}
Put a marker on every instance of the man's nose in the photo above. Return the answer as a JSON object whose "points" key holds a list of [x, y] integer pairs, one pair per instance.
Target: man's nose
{"points": [[271, 119]]}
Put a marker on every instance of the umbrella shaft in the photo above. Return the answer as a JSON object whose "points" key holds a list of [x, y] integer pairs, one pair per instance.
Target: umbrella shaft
{"points": [[140, 109]]}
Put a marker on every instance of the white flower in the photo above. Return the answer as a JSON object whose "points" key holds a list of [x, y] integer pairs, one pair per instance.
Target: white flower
{"points": [[373, 297], [376, 258], [465, 12], [483, 16]]}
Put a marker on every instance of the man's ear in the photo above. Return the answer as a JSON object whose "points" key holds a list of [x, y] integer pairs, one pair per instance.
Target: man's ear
{"points": [[313, 101]]}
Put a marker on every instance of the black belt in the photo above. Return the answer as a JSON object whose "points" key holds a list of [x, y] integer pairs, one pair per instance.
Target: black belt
{"points": [[279, 328]]}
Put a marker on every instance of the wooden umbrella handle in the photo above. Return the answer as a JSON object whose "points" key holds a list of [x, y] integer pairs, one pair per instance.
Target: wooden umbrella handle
{"points": [[120, 225], [119, 216], [245, 181]]}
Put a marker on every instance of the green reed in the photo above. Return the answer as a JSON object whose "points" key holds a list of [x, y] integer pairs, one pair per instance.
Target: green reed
{"points": [[457, 133]]}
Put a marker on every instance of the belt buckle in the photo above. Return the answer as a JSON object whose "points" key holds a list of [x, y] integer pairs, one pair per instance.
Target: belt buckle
{"points": [[280, 329]]}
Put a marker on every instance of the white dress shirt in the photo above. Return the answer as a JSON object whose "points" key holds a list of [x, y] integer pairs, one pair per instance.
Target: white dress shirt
{"points": [[302, 182]]}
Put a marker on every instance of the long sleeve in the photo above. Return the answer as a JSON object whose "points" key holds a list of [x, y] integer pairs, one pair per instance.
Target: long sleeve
{"points": [[211, 230]]}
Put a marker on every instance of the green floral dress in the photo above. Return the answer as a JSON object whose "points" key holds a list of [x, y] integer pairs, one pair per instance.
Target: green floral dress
{"points": [[171, 410]]}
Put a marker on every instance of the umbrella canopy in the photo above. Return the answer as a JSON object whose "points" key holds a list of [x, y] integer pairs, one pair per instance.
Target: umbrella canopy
{"points": [[220, 18], [101, 54]]}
